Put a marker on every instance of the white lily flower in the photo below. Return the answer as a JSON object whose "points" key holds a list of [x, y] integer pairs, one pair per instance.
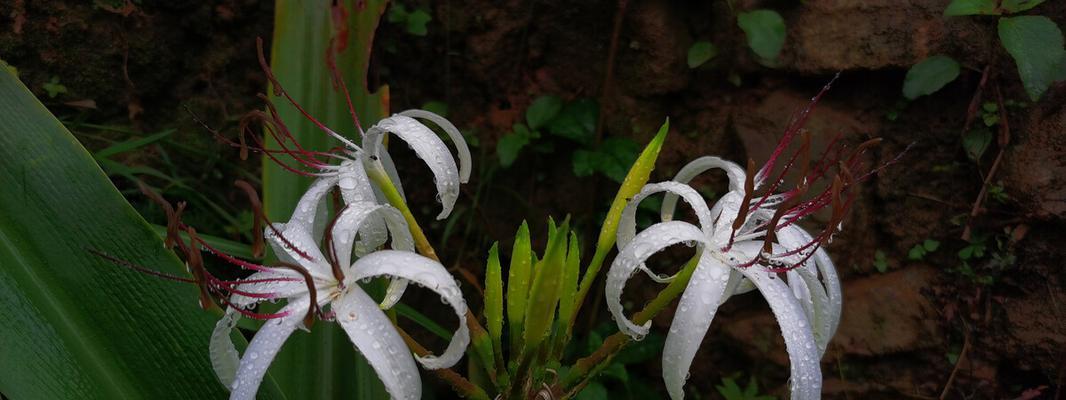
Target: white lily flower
{"points": [[746, 242], [316, 280]]}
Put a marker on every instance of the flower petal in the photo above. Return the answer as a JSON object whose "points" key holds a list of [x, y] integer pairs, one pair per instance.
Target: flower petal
{"points": [[264, 346], [806, 379], [353, 220], [298, 247], [694, 314], [698, 166], [377, 339], [627, 225], [650, 241], [826, 270], [224, 356], [428, 147], [815, 304], [453, 133], [394, 176], [433, 276]]}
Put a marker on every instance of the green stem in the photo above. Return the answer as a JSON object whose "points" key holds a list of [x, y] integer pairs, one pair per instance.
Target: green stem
{"points": [[586, 368]]}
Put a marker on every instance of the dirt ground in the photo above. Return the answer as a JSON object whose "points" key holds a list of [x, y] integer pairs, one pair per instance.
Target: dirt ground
{"points": [[992, 329]]}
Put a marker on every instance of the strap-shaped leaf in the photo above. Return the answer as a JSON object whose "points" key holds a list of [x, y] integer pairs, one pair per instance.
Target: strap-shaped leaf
{"points": [[75, 325]]}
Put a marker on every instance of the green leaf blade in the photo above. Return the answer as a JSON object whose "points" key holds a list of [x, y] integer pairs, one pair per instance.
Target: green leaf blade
{"points": [[700, 53], [765, 30], [518, 277]]}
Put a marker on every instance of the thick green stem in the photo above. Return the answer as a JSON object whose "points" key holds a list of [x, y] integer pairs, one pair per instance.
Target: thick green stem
{"points": [[587, 368]]}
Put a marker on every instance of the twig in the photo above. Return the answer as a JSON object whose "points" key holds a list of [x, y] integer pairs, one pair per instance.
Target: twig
{"points": [[1002, 141], [958, 362]]}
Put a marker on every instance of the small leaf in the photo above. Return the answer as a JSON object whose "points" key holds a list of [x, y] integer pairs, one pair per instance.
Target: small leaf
{"points": [[54, 88], [575, 121], [585, 162], [542, 111], [1036, 44], [570, 275], [971, 7], [930, 245], [976, 141], [1014, 6], [509, 146], [700, 53], [929, 75], [765, 30], [880, 261], [416, 22], [916, 253]]}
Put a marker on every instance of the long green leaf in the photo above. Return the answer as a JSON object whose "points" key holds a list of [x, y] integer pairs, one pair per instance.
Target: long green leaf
{"points": [[320, 364], [544, 292], [74, 325], [494, 302], [518, 286]]}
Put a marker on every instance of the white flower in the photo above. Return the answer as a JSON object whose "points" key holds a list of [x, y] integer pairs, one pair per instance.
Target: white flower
{"points": [[315, 279], [745, 242]]}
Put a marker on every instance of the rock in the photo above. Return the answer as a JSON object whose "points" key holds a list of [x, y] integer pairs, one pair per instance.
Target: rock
{"points": [[1034, 166], [836, 35], [652, 51]]}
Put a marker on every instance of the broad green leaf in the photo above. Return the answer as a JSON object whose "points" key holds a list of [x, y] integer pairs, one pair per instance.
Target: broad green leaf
{"points": [[700, 53], [929, 75], [1013, 6], [1036, 44], [635, 180], [320, 364], [416, 22], [544, 291], [75, 325], [971, 7], [543, 109], [518, 277], [508, 147], [765, 30], [585, 162], [576, 121]]}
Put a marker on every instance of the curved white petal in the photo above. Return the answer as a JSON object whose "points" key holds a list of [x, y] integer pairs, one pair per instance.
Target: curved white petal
{"points": [[694, 314], [224, 356], [353, 220], [264, 346], [431, 275], [815, 303], [453, 133], [376, 338], [806, 373], [650, 241], [394, 176], [627, 225], [826, 271], [298, 247], [303, 216], [698, 166], [429, 147]]}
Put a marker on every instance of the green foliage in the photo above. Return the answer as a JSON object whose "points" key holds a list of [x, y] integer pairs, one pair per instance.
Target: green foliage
{"points": [[494, 298], [1036, 44], [594, 391], [971, 7], [612, 158], [518, 279], [542, 110], [929, 75], [544, 290], [765, 30], [54, 88], [511, 144], [436, 107], [730, 390], [700, 53], [880, 261], [75, 325], [976, 141], [576, 121], [920, 250], [413, 21]]}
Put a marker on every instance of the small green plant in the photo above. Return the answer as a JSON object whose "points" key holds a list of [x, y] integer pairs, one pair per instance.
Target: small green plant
{"points": [[880, 261], [929, 75], [1034, 41], [730, 390], [765, 30], [919, 251], [700, 53], [413, 21], [54, 88]]}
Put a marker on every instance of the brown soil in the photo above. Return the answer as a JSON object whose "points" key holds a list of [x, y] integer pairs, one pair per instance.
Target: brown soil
{"points": [[489, 59]]}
